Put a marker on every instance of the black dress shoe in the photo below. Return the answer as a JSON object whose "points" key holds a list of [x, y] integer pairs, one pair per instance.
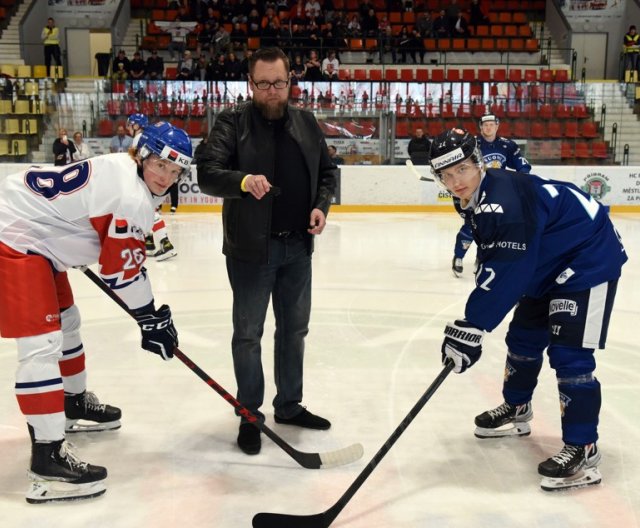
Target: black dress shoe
{"points": [[249, 439], [305, 419]]}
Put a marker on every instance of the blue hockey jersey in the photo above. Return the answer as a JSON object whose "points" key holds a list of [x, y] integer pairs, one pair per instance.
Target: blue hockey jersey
{"points": [[502, 153], [535, 236]]}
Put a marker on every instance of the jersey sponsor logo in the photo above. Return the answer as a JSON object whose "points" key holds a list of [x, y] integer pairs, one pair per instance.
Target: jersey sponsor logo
{"points": [[488, 208], [563, 305], [50, 318], [505, 244], [447, 159], [565, 276]]}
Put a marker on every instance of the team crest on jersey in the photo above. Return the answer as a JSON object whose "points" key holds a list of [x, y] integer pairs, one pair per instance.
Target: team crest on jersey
{"points": [[565, 276], [563, 305], [495, 160], [564, 403]]}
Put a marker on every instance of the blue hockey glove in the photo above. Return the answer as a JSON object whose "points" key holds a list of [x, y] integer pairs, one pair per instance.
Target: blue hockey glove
{"points": [[463, 344], [158, 333]]}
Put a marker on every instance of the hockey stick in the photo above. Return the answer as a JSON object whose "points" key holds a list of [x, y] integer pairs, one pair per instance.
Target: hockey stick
{"points": [[339, 457], [415, 172], [323, 520]]}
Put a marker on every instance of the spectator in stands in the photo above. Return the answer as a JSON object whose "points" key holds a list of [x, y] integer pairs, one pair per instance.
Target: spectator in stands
{"points": [[200, 73], [353, 27], [388, 44], [452, 11], [330, 67], [424, 25], [238, 37], [253, 24], [217, 69], [419, 147], [333, 154], [270, 15], [222, 40], [441, 25], [408, 44], [270, 35], [298, 70], [178, 32], [120, 142], [186, 67], [312, 8], [51, 39], [631, 43], [476, 16], [205, 38], [297, 15], [83, 150], [314, 67], [137, 68], [120, 66], [369, 24], [460, 28], [233, 68], [63, 148], [298, 39], [155, 66], [314, 35], [244, 65]]}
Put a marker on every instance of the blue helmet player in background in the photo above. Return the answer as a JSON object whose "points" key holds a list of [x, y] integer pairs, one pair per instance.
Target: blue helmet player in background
{"points": [[498, 153], [550, 250]]}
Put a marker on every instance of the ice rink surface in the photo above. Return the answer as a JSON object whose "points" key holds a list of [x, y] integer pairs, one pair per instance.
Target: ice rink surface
{"points": [[383, 291]]}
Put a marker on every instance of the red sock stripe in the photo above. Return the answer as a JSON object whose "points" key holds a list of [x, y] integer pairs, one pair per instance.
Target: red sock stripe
{"points": [[72, 366], [158, 225], [42, 403]]}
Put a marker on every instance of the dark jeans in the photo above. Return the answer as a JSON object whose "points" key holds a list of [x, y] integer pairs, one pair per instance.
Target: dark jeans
{"points": [[52, 51], [286, 279]]}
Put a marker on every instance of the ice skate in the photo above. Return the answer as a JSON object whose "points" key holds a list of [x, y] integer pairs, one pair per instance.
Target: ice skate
{"points": [[572, 467], [149, 245], [85, 413], [166, 250], [504, 420], [57, 474], [456, 266]]}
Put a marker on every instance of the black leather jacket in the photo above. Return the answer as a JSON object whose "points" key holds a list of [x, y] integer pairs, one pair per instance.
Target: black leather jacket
{"points": [[241, 143]]}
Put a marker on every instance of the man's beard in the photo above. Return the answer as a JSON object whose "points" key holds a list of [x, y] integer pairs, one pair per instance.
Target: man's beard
{"points": [[271, 110]]}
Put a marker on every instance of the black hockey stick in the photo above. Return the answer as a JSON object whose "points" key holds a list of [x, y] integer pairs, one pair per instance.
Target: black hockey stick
{"points": [[323, 520], [338, 457], [415, 172]]}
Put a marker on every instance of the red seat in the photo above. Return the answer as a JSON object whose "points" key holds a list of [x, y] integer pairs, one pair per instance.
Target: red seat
{"points": [[164, 109], [554, 129], [546, 76], [422, 75], [599, 150], [484, 74], [583, 150], [113, 107], [375, 75], [521, 129], [505, 129], [344, 74], [198, 109], [580, 111], [437, 75], [436, 127], [106, 128], [468, 75], [571, 129], [130, 107], [453, 75], [588, 129], [566, 150], [359, 74], [390, 74], [545, 111], [530, 75], [181, 109], [406, 74], [562, 76], [499, 74], [515, 75], [563, 111], [539, 130], [147, 108]]}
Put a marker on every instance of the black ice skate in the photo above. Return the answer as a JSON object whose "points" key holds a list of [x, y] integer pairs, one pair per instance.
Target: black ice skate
{"points": [[85, 413], [572, 467], [149, 245], [57, 474], [166, 250], [504, 420], [456, 266]]}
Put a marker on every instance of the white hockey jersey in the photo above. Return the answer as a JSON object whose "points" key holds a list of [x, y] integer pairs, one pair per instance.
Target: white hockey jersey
{"points": [[96, 210]]}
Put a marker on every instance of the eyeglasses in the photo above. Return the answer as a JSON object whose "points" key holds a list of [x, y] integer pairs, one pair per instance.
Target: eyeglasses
{"points": [[265, 85]]}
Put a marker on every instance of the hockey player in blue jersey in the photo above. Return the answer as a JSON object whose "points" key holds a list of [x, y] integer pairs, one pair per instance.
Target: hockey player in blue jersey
{"points": [[498, 153], [550, 250]]}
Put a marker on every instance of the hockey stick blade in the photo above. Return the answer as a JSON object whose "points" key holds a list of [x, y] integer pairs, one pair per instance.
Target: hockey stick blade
{"points": [[326, 460], [415, 171], [324, 520]]}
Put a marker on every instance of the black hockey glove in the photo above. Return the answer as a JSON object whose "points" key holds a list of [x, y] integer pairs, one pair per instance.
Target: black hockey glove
{"points": [[158, 333], [463, 344]]}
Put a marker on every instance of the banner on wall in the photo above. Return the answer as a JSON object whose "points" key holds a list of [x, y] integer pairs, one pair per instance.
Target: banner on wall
{"points": [[79, 8], [579, 10]]}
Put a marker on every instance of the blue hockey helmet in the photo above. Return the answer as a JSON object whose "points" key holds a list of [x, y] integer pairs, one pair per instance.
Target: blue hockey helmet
{"points": [[452, 147], [138, 119], [167, 142]]}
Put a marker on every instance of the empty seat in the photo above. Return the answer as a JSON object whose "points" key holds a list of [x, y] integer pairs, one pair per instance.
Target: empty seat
{"points": [[499, 74], [375, 75], [515, 75], [422, 75], [360, 74], [599, 150], [582, 150], [566, 150], [406, 74], [453, 75], [588, 129], [554, 129], [571, 129], [390, 74]]}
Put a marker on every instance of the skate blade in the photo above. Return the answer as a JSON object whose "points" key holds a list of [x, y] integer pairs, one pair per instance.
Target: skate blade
{"points": [[41, 491], [512, 429], [82, 426], [166, 255], [582, 479], [456, 274]]}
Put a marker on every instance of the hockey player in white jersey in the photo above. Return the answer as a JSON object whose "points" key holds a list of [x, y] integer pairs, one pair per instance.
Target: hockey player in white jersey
{"points": [[550, 250], [157, 243], [52, 219]]}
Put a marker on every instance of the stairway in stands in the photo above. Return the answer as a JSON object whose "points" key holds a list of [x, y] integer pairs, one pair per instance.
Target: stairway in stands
{"points": [[10, 37]]}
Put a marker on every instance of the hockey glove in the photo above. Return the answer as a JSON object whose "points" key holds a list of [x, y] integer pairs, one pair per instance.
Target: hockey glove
{"points": [[463, 344], [158, 333]]}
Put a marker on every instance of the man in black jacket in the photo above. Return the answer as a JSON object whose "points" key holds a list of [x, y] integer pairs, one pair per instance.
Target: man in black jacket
{"points": [[270, 164], [418, 148]]}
